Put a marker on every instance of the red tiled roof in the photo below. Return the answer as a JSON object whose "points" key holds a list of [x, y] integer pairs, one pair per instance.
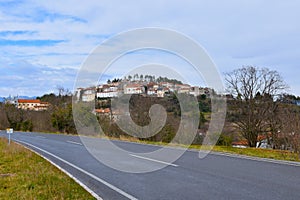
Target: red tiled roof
{"points": [[29, 101], [242, 142], [133, 85], [101, 110]]}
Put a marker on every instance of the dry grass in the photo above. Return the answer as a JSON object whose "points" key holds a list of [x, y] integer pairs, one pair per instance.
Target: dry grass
{"points": [[25, 175]]}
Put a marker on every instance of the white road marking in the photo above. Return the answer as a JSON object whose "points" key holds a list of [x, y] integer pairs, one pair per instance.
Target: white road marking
{"points": [[83, 171], [269, 160], [70, 175], [72, 142], [150, 159]]}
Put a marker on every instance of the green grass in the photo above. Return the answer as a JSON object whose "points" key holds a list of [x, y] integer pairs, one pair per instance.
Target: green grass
{"points": [[262, 153], [255, 152], [25, 175]]}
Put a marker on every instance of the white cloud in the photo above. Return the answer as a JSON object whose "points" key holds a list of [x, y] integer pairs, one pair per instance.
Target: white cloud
{"points": [[235, 33]]}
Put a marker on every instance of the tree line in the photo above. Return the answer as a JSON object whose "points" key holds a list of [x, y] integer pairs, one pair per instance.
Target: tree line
{"points": [[258, 106], [57, 118], [148, 78]]}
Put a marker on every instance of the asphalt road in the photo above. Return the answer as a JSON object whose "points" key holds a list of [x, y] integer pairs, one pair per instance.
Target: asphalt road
{"points": [[214, 177]]}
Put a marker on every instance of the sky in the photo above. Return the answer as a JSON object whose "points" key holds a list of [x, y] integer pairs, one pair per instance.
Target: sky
{"points": [[43, 44]]}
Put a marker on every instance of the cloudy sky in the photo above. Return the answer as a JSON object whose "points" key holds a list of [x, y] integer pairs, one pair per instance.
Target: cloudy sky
{"points": [[43, 44]]}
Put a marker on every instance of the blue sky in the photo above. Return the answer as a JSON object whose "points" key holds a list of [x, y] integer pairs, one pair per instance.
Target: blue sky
{"points": [[43, 44]]}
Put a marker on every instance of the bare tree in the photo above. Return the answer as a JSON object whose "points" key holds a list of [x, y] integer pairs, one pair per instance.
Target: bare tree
{"points": [[290, 132], [253, 90], [63, 91]]}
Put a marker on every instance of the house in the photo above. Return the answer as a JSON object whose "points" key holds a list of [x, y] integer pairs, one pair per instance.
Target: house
{"points": [[206, 91], [195, 91], [32, 104], [118, 114], [134, 88], [240, 144], [155, 86], [160, 92], [168, 85], [11, 100], [78, 94], [151, 92], [262, 142], [107, 91], [183, 88], [88, 94], [106, 94]]}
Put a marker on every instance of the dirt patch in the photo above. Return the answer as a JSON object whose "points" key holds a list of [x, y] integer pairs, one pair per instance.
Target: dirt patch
{"points": [[6, 175]]}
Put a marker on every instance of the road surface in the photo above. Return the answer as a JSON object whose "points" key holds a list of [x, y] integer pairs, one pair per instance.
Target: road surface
{"points": [[214, 177]]}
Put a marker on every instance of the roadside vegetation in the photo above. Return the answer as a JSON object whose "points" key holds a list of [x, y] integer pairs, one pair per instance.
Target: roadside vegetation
{"points": [[259, 113], [58, 118], [250, 151], [257, 152], [25, 175]]}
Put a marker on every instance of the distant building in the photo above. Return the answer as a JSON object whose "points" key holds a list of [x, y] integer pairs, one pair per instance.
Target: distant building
{"points": [[107, 91], [160, 92], [134, 88], [32, 104], [151, 88], [240, 144], [171, 86], [195, 91], [183, 88], [102, 111], [11, 100], [88, 94], [78, 94], [206, 91]]}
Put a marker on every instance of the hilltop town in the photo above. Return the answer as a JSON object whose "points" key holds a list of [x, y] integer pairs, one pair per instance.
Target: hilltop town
{"points": [[159, 87], [137, 84]]}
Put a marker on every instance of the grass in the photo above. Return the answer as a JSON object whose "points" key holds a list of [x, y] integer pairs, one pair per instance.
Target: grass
{"points": [[255, 152], [262, 153], [25, 175]]}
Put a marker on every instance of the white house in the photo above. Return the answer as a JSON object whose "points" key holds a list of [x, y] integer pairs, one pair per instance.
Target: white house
{"points": [[88, 94], [151, 91], [32, 104], [183, 88], [160, 92], [195, 91], [167, 84], [134, 88], [107, 94], [107, 91]]}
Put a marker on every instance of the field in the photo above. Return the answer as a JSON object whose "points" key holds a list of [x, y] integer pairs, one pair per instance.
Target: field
{"points": [[25, 175]]}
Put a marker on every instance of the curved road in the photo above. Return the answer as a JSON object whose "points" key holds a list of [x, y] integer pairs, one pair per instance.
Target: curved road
{"points": [[217, 176]]}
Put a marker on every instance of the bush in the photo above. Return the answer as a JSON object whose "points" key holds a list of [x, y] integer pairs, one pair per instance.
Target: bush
{"points": [[224, 140], [27, 125]]}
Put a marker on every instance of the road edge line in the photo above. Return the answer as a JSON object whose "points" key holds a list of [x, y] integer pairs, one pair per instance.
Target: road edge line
{"points": [[64, 171], [259, 159], [83, 171]]}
